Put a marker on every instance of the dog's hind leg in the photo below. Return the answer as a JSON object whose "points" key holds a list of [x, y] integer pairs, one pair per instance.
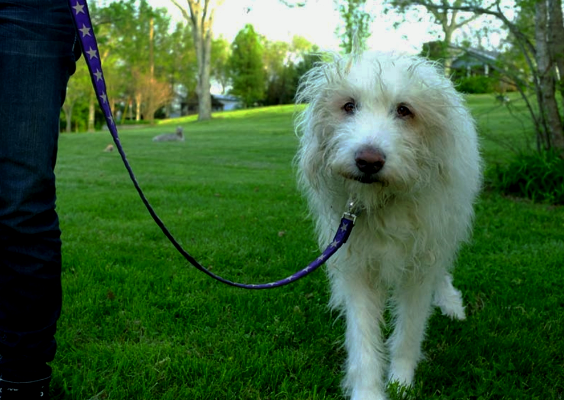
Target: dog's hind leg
{"points": [[363, 308], [411, 307], [448, 298]]}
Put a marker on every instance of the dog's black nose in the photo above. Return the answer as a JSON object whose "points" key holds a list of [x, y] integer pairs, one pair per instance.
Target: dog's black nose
{"points": [[369, 161]]}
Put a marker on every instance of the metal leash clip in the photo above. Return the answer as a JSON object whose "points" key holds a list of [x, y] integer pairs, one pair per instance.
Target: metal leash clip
{"points": [[351, 212]]}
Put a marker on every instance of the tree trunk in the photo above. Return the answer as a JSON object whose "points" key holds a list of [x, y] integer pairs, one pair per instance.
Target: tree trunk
{"points": [[150, 110], [200, 15], [448, 51], [68, 116], [546, 74], [202, 42], [92, 112], [449, 26], [203, 86], [138, 99], [556, 30], [130, 109], [126, 110]]}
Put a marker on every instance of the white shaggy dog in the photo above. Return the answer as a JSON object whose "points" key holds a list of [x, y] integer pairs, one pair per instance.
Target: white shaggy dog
{"points": [[391, 133]]}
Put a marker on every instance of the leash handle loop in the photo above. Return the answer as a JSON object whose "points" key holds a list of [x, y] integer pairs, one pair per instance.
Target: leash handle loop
{"points": [[83, 23]]}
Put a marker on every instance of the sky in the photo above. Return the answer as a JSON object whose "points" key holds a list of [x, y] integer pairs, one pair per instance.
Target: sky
{"points": [[316, 22]]}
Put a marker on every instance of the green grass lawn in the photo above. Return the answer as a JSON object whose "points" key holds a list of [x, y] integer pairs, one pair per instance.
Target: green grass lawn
{"points": [[139, 323], [505, 128]]}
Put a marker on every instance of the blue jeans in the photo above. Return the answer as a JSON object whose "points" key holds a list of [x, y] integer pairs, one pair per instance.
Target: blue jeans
{"points": [[37, 39]]}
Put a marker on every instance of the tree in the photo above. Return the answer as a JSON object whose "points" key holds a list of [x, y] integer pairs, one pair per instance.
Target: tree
{"points": [[151, 94], [78, 89], [448, 17], [356, 22], [220, 54], [538, 34], [308, 61], [284, 64], [133, 35], [136, 40], [278, 72], [549, 33], [556, 33], [200, 15], [293, 3], [179, 63], [247, 68], [435, 50]]}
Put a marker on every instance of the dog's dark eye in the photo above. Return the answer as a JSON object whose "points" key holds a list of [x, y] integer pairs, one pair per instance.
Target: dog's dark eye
{"points": [[349, 108], [403, 111]]}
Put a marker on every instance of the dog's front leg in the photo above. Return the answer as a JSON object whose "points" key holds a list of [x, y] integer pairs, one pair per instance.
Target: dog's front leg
{"points": [[411, 306], [363, 307]]}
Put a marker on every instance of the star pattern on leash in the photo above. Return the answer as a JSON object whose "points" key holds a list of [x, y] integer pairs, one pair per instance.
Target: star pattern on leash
{"points": [[92, 57], [85, 31], [78, 8], [92, 53]]}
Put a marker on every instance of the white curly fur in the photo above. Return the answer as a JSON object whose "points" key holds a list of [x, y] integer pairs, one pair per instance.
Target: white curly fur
{"points": [[416, 210]]}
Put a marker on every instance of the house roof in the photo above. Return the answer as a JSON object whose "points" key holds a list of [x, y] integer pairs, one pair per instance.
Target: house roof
{"points": [[193, 100], [472, 57], [226, 97]]}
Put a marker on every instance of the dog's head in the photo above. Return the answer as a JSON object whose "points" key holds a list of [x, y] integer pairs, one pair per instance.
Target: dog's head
{"points": [[379, 122]]}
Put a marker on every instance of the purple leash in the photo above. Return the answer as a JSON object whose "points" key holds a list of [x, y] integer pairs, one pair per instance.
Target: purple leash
{"points": [[83, 24]]}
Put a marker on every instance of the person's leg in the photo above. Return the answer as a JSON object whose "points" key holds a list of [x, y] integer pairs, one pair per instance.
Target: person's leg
{"points": [[36, 59]]}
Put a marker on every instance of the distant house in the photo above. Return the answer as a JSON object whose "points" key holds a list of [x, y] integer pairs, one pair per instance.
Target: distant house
{"points": [[475, 71], [471, 62], [229, 102], [191, 105], [219, 103]]}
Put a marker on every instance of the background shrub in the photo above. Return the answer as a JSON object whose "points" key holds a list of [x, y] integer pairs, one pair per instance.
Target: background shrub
{"points": [[537, 176], [475, 84]]}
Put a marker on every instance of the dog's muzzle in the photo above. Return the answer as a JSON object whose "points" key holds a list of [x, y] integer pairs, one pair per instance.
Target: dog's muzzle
{"points": [[369, 162]]}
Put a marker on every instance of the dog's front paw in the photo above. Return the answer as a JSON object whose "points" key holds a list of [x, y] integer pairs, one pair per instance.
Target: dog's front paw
{"points": [[367, 394], [398, 391], [401, 372]]}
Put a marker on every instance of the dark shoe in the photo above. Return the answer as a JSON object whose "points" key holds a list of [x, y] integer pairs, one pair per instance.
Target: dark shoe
{"points": [[34, 390]]}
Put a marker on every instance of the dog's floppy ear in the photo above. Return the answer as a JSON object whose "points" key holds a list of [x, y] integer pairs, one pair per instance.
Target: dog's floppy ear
{"points": [[311, 122], [311, 156]]}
